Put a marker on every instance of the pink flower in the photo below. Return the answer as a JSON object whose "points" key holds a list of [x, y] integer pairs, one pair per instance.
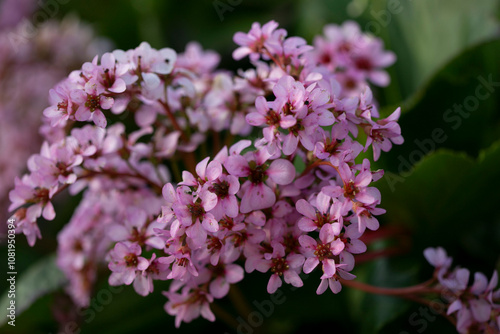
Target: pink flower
{"points": [[197, 60], [273, 119], [137, 229], [320, 213], [255, 193], [188, 305], [158, 269], [324, 251], [182, 265], [91, 101], [225, 187], [438, 258], [26, 223], [354, 187], [55, 163], [226, 273], [288, 267], [30, 189], [252, 43], [193, 213], [125, 261], [61, 109], [365, 214], [384, 133]]}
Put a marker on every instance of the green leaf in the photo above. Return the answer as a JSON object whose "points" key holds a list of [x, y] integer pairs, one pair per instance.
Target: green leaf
{"points": [[41, 278], [430, 33], [457, 109], [379, 310], [449, 199]]}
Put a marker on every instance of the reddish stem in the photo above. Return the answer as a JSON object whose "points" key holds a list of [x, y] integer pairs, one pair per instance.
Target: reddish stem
{"points": [[415, 289], [174, 121]]}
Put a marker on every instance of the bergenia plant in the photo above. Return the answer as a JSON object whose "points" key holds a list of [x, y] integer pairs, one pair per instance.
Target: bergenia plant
{"points": [[204, 178]]}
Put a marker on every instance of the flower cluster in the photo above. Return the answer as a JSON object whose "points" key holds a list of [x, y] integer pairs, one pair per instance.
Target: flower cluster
{"points": [[353, 55], [475, 307], [152, 213], [45, 58]]}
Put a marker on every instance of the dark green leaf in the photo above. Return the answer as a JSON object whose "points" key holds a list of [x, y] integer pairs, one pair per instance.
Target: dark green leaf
{"points": [[41, 278]]}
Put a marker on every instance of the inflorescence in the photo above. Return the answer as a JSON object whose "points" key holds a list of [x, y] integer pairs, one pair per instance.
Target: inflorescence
{"points": [[128, 129]]}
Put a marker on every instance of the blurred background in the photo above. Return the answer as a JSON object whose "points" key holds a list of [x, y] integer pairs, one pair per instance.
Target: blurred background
{"points": [[441, 185]]}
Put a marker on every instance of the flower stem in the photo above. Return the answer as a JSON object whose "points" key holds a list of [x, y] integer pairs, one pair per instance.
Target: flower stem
{"points": [[419, 288], [239, 301], [175, 124], [223, 315]]}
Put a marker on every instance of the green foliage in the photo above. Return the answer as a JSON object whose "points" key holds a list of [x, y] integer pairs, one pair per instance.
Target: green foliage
{"points": [[39, 279]]}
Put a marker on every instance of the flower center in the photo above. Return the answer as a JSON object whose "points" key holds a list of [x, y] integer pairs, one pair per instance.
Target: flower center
{"points": [[350, 190], [331, 145], [62, 106], [273, 118], [363, 64], [323, 251], [131, 260], [196, 210], [279, 266], [221, 189], [257, 173], [92, 102]]}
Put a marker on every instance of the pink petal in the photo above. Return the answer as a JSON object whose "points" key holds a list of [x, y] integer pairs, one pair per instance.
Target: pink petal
{"points": [[48, 211], [308, 242], [208, 200], [117, 232], [257, 218], [106, 102], [329, 268], [287, 121], [322, 286], [310, 264], [206, 312], [290, 144], [480, 283], [168, 193], [481, 309], [281, 171], [119, 86], [274, 283], [241, 52], [255, 118], [234, 273], [230, 206], [99, 119], [295, 260], [142, 263], [201, 167], [237, 165], [197, 233], [305, 208], [322, 202], [214, 170], [156, 242], [82, 114], [151, 80], [306, 225], [334, 285], [141, 285], [210, 224], [128, 276], [219, 287], [257, 197], [293, 278]]}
